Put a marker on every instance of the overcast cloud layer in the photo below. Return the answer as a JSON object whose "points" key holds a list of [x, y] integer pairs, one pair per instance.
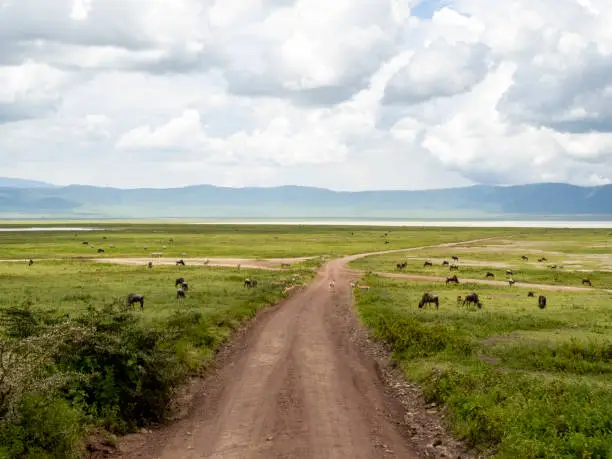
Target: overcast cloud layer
{"points": [[343, 94]]}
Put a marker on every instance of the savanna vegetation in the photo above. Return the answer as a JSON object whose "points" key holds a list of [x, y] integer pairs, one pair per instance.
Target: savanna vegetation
{"points": [[515, 380]]}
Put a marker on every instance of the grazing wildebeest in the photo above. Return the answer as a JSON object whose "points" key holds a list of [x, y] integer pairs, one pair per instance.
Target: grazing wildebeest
{"points": [[135, 298], [531, 295], [452, 279], [445, 263], [150, 264], [428, 298], [587, 281], [179, 281], [30, 262], [180, 262], [511, 282], [401, 265], [386, 242], [247, 283], [180, 293], [185, 286], [509, 272], [453, 267], [490, 274], [455, 258], [427, 263], [553, 267], [525, 258], [542, 259], [100, 250], [473, 298], [541, 301], [85, 243]]}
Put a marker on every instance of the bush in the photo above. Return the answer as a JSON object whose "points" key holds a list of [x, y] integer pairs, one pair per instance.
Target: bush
{"points": [[44, 428]]}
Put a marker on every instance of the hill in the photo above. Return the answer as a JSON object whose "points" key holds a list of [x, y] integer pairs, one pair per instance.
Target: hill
{"points": [[206, 201]]}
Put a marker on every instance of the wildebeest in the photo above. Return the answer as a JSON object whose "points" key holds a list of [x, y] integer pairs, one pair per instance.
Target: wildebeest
{"points": [[386, 242], [180, 262], [511, 282], [135, 298], [250, 283], [509, 272], [586, 281], [30, 262], [179, 281], [85, 243], [490, 274], [445, 263], [541, 301], [428, 298], [525, 258], [473, 298], [452, 279], [531, 295], [453, 267], [401, 265], [542, 259], [455, 258], [185, 286], [100, 250], [427, 263], [180, 293], [150, 264]]}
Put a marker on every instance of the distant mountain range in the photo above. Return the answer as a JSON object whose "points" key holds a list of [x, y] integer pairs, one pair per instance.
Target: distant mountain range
{"points": [[26, 199]]}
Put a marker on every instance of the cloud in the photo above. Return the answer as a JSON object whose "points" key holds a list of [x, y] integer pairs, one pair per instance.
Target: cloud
{"points": [[347, 94]]}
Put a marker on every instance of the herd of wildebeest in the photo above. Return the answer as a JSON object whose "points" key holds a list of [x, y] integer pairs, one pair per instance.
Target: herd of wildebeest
{"points": [[473, 298]]}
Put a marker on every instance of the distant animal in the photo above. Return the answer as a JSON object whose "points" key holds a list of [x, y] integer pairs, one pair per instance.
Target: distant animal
{"points": [[85, 243], [185, 286], [401, 265], [525, 258], [427, 263], [135, 298], [445, 263], [455, 258], [541, 301], [180, 293], [332, 284], [30, 262], [587, 281], [238, 266], [490, 274], [509, 272], [473, 298], [179, 281], [285, 265], [180, 262], [553, 267], [206, 261], [428, 298], [248, 283], [452, 279], [511, 282], [150, 264], [386, 242], [542, 259], [453, 267], [100, 250], [531, 295]]}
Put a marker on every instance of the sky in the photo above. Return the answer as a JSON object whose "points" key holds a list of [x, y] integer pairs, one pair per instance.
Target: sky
{"points": [[342, 94]]}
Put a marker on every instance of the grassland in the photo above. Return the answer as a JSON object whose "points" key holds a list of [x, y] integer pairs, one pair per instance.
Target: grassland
{"points": [[248, 241], [515, 380]]}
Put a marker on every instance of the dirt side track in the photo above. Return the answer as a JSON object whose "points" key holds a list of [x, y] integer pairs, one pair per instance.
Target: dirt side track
{"points": [[303, 382]]}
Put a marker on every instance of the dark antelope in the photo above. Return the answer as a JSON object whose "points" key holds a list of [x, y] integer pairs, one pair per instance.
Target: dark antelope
{"points": [[472, 298], [428, 298], [135, 298]]}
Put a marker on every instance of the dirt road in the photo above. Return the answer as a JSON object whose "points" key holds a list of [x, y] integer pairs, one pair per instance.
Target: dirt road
{"points": [[299, 384]]}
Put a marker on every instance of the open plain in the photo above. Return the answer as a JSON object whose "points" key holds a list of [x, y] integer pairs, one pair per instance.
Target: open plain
{"points": [[304, 378]]}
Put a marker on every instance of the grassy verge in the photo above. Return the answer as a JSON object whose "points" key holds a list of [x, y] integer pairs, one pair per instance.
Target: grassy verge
{"points": [[516, 380], [73, 359]]}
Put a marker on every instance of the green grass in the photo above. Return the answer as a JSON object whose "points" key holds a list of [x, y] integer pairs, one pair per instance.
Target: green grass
{"points": [[225, 240], [516, 380]]}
